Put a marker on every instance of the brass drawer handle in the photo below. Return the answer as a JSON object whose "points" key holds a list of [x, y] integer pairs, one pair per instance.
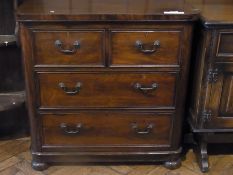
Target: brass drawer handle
{"points": [[142, 48], [71, 130], [71, 91], [145, 90], [144, 131], [59, 46]]}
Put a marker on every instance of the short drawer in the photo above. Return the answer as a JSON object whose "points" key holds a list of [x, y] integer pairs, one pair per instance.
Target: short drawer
{"points": [[106, 128], [224, 46], [107, 89], [80, 48], [135, 48]]}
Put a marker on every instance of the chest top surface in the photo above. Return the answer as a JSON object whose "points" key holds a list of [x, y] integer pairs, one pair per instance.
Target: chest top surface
{"points": [[105, 10], [214, 12]]}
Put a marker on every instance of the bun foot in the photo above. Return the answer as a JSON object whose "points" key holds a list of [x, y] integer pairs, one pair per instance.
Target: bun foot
{"points": [[174, 164], [39, 166]]}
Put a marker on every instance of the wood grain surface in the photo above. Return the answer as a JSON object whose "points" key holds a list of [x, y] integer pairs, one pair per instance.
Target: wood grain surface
{"points": [[16, 159]]}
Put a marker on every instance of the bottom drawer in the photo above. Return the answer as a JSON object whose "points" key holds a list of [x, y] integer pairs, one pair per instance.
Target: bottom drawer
{"points": [[106, 128]]}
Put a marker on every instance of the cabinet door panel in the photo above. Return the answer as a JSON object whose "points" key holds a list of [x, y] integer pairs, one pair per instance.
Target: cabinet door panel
{"points": [[221, 100], [226, 102]]}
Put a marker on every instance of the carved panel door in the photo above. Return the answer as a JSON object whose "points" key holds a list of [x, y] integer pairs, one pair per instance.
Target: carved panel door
{"points": [[221, 97]]}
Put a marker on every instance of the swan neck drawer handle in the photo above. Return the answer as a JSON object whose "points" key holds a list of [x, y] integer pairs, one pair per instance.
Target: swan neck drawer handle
{"points": [[59, 45], [71, 130], [147, 49], [145, 90], [71, 91], [144, 131]]}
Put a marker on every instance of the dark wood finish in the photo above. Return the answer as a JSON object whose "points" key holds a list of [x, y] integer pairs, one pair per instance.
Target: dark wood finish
{"points": [[225, 48], [39, 166], [106, 128], [90, 51], [221, 100], [211, 113], [98, 10], [174, 164], [214, 13], [111, 86], [222, 46], [201, 153], [108, 89], [125, 52], [226, 106]]}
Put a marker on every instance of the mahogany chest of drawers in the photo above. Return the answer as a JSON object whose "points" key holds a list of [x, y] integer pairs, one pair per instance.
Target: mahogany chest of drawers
{"points": [[106, 84]]}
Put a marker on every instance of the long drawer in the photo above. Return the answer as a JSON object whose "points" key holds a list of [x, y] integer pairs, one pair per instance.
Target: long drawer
{"points": [[106, 128], [107, 89]]}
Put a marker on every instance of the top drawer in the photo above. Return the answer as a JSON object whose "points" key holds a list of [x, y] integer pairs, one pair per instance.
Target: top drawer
{"points": [[84, 48], [224, 46], [145, 48]]}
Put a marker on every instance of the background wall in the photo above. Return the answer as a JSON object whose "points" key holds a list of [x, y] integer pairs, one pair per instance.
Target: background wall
{"points": [[13, 116]]}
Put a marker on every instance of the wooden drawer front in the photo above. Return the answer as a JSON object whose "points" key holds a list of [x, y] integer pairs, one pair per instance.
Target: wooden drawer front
{"points": [[107, 89], [145, 48], [69, 47], [225, 45], [100, 128]]}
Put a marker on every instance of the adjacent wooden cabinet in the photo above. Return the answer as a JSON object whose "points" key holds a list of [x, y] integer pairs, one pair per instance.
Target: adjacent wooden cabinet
{"points": [[212, 98], [211, 110]]}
